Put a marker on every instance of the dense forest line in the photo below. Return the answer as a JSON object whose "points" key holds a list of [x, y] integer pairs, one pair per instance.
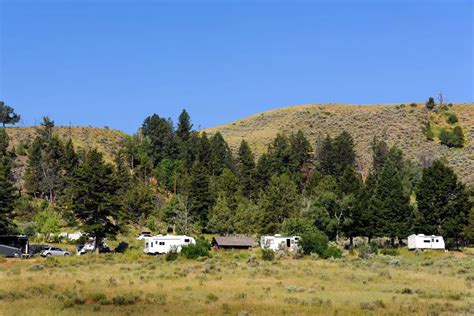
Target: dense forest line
{"points": [[170, 177]]}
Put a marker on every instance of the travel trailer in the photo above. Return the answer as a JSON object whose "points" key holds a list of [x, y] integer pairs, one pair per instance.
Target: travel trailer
{"points": [[15, 246], [164, 244], [279, 242], [421, 241]]}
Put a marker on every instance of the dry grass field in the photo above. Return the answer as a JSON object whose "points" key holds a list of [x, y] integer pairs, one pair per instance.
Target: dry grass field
{"points": [[238, 283], [399, 125]]}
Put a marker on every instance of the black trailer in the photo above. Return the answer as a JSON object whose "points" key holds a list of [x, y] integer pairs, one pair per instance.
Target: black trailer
{"points": [[15, 246]]}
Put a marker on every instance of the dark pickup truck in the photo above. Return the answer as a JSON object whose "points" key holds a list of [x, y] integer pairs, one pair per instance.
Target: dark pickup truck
{"points": [[15, 246]]}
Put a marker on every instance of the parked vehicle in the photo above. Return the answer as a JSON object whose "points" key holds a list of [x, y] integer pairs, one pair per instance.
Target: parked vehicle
{"points": [[279, 242], [15, 246], [144, 235], [421, 241], [54, 251], [89, 247], [37, 249], [164, 244]]}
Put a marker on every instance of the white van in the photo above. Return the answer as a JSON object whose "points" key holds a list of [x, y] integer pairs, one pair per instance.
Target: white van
{"points": [[421, 241], [279, 242], [164, 244]]}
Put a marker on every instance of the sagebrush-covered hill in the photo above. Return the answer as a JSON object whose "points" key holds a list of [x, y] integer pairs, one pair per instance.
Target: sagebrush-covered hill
{"points": [[399, 125]]}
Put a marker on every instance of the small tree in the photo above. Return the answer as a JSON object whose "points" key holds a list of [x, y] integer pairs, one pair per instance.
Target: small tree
{"points": [[430, 104], [452, 118], [8, 115]]}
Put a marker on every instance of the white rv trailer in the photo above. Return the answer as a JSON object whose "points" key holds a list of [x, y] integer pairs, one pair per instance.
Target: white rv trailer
{"points": [[421, 241], [279, 242], [164, 244]]}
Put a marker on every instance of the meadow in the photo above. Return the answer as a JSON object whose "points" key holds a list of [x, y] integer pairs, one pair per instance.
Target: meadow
{"points": [[239, 283]]}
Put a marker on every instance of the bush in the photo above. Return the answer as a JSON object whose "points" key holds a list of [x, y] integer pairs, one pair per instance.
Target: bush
{"points": [[452, 118], [314, 242], [127, 299], [365, 251], [268, 254], [332, 252], [430, 104], [172, 255], [194, 251], [389, 252], [452, 139]]}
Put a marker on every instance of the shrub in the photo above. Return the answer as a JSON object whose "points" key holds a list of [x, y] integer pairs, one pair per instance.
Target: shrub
{"points": [[365, 251], [268, 254], [452, 118], [332, 252], [194, 251], [314, 242], [127, 299], [430, 104], [389, 252], [172, 255], [452, 139]]}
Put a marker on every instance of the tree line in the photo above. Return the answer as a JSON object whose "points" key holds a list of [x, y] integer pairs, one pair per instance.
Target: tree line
{"points": [[170, 177]]}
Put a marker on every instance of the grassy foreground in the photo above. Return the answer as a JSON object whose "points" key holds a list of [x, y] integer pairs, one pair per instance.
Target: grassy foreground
{"points": [[232, 283]]}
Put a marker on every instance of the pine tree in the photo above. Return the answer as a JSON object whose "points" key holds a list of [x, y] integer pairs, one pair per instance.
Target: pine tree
{"points": [[162, 138], [393, 209], [138, 203], [34, 173], [443, 202], [200, 197], [280, 200], [220, 156], [183, 131], [93, 192], [300, 150], [246, 169], [326, 157], [4, 142], [221, 217], [279, 155], [8, 194], [380, 152], [46, 132], [69, 158], [344, 153], [227, 184], [8, 115]]}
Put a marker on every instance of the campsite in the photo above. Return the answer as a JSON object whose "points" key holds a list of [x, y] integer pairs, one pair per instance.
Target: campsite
{"points": [[239, 282]]}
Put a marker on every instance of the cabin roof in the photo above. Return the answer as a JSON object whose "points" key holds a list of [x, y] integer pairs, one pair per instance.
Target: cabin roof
{"points": [[233, 241]]}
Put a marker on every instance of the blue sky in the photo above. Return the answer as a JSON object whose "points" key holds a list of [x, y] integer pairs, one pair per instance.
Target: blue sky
{"points": [[115, 62]]}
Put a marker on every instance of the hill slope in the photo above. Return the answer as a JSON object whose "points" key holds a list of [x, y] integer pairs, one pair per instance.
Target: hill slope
{"points": [[397, 125], [104, 140]]}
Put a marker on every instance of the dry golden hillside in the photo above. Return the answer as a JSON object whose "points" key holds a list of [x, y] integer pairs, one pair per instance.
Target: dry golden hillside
{"points": [[104, 140], [399, 125]]}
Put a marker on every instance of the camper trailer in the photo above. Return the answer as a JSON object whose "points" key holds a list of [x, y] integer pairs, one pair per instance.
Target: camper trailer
{"points": [[421, 241], [279, 242], [15, 246], [164, 244]]}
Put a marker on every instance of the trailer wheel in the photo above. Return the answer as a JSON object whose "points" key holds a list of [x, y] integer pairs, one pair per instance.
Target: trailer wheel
{"points": [[48, 255], [66, 255]]}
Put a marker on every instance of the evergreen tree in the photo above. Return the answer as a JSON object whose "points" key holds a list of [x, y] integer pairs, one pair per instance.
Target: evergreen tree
{"points": [[69, 158], [52, 181], [46, 132], [379, 153], [443, 202], [227, 184], [183, 131], [344, 153], [326, 157], [393, 209], [246, 169], [221, 217], [8, 115], [8, 193], [300, 150], [204, 152], [4, 142], [93, 193], [279, 155], [221, 156], [162, 138], [246, 217], [138, 203], [200, 197], [280, 200], [34, 173]]}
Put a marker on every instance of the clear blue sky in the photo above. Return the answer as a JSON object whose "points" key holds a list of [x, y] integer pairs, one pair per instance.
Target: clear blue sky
{"points": [[115, 62]]}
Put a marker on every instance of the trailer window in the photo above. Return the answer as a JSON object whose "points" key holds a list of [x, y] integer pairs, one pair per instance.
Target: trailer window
{"points": [[146, 245], [436, 240], [162, 243], [186, 240], [426, 241]]}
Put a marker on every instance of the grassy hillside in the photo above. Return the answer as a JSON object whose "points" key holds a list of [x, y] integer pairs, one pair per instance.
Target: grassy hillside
{"points": [[399, 125], [105, 140]]}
